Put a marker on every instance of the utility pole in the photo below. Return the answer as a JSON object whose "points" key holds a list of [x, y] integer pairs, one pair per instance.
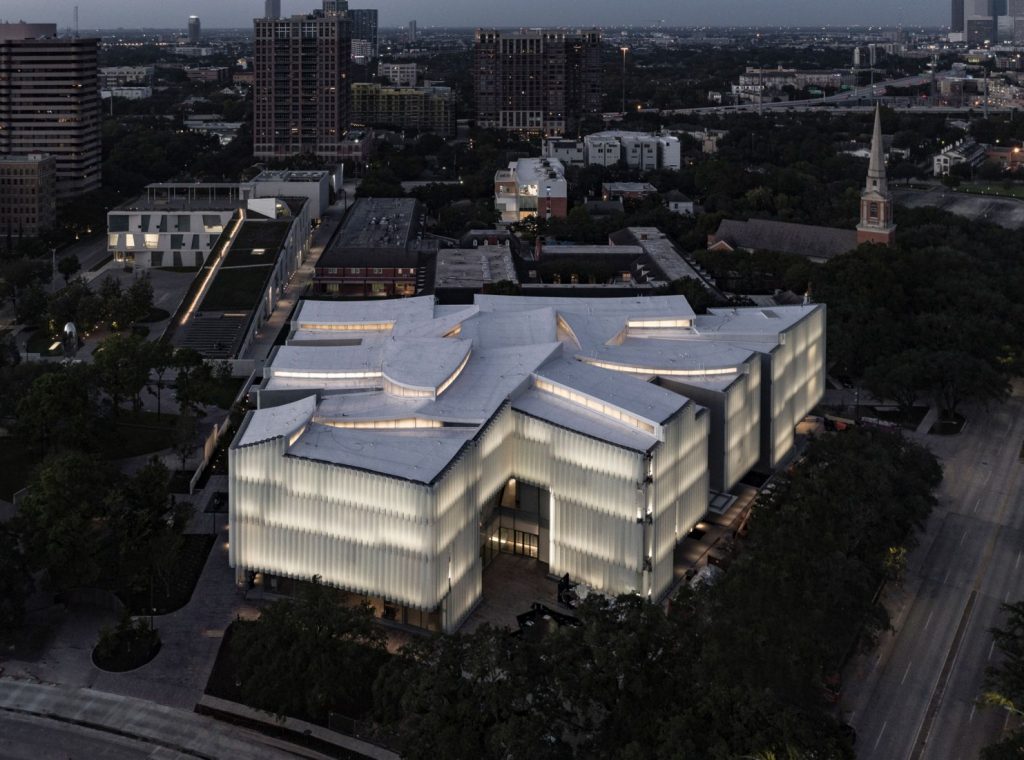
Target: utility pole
{"points": [[624, 49]]}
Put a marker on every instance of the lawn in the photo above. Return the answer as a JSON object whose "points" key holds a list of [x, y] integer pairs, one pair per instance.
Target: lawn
{"points": [[39, 342], [126, 436], [236, 289], [1014, 190], [132, 434], [155, 315]]}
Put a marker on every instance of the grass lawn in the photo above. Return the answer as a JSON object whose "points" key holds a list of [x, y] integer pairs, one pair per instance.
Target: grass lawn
{"points": [[16, 464], [236, 289], [194, 551], [155, 315], [1015, 190], [39, 342], [131, 434], [99, 265], [179, 270]]}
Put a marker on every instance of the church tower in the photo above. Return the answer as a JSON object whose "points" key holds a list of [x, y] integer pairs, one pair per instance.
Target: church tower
{"points": [[876, 224]]}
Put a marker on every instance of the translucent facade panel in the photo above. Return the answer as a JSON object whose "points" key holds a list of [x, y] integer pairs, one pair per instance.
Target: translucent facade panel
{"points": [[797, 372]]}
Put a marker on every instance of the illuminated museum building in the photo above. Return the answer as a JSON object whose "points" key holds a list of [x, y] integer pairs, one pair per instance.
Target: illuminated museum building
{"points": [[398, 445]]}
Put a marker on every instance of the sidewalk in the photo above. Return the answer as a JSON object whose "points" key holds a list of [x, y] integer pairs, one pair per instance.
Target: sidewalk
{"points": [[263, 342], [171, 729], [190, 637]]}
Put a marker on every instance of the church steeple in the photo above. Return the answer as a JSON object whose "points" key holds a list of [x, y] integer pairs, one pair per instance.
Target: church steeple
{"points": [[876, 225]]}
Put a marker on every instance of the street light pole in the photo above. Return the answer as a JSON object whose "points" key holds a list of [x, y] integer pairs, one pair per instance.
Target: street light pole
{"points": [[624, 50]]}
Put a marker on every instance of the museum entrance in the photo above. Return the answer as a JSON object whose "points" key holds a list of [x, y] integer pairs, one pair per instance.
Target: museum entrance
{"points": [[515, 522]]}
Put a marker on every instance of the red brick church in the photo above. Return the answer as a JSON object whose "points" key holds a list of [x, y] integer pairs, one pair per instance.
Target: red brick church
{"points": [[821, 243]]}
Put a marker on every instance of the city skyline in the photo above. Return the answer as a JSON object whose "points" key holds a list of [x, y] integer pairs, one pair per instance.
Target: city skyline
{"points": [[110, 14]]}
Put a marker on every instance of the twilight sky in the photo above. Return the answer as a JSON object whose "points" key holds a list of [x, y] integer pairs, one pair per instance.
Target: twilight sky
{"points": [[238, 13]]}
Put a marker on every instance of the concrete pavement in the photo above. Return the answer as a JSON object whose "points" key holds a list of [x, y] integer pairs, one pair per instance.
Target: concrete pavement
{"points": [[86, 723], [915, 695], [1006, 212], [190, 637], [263, 343]]}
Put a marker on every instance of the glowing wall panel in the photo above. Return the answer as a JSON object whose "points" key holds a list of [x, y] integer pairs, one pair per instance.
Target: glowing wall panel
{"points": [[795, 373]]}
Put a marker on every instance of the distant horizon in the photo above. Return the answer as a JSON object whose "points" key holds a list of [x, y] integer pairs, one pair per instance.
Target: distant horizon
{"points": [[687, 14]]}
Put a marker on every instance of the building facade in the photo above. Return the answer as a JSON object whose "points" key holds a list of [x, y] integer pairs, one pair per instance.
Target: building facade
{"points": [[531, 187], [28, 194], [195, 31], [50, 102], [538, 80], [377, 252], [364, 27], [425, 108], [399, 446], [301, 91], [398, 74]]}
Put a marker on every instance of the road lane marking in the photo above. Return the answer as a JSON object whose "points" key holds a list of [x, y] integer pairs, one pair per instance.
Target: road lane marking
{"points": [[880, 735], [991, 648], [962, 537], [906, 672], [971, 717], [929, 621], [976, 505], [1017, 563]]}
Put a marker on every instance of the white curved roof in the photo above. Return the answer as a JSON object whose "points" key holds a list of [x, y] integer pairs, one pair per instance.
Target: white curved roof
{"points": [[430, 377]]}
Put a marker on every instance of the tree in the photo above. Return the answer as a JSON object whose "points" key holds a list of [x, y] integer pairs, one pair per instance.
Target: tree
{"points": [[193, 379], [15, 581], [696, 294], [958, 376], [160, 359], [60, 520], [144, 522], [122, 368], [310, 656], [59, 409], [138, 299], [1004, 683], [68, 266], [186, 434]]}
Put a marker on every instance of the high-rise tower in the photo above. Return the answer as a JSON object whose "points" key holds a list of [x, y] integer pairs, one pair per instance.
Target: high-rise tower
{"points": [[194, 30], [50, 102], [876, 218], [536, 80], [272, 9], [301, 90]]}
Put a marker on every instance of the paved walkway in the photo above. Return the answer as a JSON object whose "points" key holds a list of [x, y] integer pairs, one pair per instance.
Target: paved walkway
{"points": [[263, 342], [190, 637], [167, 729]]}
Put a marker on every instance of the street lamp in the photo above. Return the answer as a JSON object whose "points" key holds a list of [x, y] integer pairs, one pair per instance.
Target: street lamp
{"points": [[624, 49]]}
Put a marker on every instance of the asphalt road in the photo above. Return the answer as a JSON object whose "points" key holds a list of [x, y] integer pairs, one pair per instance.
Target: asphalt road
{"points": [[919, 698], [26, 737]]}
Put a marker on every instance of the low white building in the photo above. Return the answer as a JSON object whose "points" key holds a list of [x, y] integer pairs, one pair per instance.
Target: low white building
{"points": [[399, 445], [965, 151], [287, 183], [569, 152], [531, 187], [177, 224], [637, 150]]}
